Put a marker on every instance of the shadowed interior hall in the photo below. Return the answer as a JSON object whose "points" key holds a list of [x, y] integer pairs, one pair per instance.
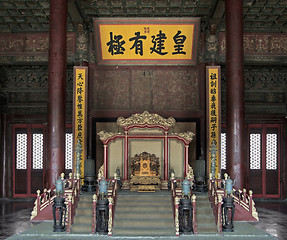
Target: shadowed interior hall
{"points": [[126, 83]]}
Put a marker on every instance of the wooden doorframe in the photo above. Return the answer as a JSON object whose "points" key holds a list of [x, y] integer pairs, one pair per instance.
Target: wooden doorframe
{"points": [[264, 128], [29, 132]]}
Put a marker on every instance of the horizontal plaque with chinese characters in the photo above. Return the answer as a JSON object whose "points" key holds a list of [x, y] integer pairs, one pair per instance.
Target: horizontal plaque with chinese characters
{"points": [[143, 41]]}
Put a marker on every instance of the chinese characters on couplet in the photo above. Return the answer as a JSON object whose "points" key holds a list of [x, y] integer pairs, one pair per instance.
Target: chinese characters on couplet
{"points": [[80, 108], [116, 43], [213, 78], [214, 119]]}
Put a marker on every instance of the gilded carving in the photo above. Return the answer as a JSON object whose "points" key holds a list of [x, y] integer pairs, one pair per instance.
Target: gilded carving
{"points": [[93, 57], [145, 172], [27, 86], [110, 222], [104, 135], [30, 77], [262, 78], [34, 213], [20, 59], [260, 43], [30, 59], [95, 198], [186, 135], [211, 45], [82, 43], [176, 217], [30, 43], [146, 118], [101, 172], [190, 175], [37, 45], [13, 45], [254, 211]]}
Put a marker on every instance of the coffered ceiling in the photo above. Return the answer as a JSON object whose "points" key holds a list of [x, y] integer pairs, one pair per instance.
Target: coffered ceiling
{"points": [[33, 15]]}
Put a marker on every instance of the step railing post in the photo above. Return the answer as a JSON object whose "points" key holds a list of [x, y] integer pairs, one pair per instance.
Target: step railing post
{"points": [[95, 198], [49, 192], [78, 181], [36, 208], [209, 185], [218, 180], [69, 212], [219, 214], [244, 195], [38, 201], [250, 201], [194, 225], [176, 205], [45, 195], [110, 222], [239, 196]]}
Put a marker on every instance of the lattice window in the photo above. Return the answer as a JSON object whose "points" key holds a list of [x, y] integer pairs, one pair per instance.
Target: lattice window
{"points": [[271, 151], [255, 151], [38, 150], [223, 150], [69, 151], [21, 151]]}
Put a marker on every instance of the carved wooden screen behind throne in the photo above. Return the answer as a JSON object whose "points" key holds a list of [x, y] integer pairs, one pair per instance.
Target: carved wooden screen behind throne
{"points": [[146, 132]]}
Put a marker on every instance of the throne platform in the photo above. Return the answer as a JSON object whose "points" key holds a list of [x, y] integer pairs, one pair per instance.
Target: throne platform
{"points": [[146, 151]]}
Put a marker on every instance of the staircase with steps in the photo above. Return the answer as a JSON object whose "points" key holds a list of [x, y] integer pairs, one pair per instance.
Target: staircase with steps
{"points": [[84, 215], [204, 215], [143, 214]]}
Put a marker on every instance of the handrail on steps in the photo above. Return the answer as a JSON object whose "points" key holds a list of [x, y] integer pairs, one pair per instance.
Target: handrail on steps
{"points": [[46, 199], [241, 197]]}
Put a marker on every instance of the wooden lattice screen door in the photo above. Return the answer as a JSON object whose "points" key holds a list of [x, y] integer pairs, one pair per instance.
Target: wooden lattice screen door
{"points": [[264, 160], [28, 159]]}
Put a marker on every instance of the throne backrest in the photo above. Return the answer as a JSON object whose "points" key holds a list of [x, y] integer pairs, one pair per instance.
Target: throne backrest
{"points": [[145, 164]]}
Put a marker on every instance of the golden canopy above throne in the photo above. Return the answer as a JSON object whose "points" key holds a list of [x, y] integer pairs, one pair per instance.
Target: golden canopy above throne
{"points": [[145, 172]]}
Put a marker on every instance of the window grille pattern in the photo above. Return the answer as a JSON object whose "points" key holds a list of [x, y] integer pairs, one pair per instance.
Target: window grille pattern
{"points": [[271, 151], [69, 151], [21, 151], [38, 150], [223, 150], [255, 151]]}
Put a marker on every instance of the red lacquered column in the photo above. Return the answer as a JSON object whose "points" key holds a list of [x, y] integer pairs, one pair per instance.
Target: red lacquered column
{"points": [[235, 91], [57, 91]]}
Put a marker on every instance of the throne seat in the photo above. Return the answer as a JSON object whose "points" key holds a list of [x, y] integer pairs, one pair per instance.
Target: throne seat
{"points": [[145, 172]]}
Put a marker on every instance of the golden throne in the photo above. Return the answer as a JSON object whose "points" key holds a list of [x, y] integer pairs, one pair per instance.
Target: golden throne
{"points": [[145, 172]]}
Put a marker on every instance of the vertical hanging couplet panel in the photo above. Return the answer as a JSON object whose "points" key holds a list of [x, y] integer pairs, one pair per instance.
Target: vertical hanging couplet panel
{"points": [[80, 113], [213, 117]]}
